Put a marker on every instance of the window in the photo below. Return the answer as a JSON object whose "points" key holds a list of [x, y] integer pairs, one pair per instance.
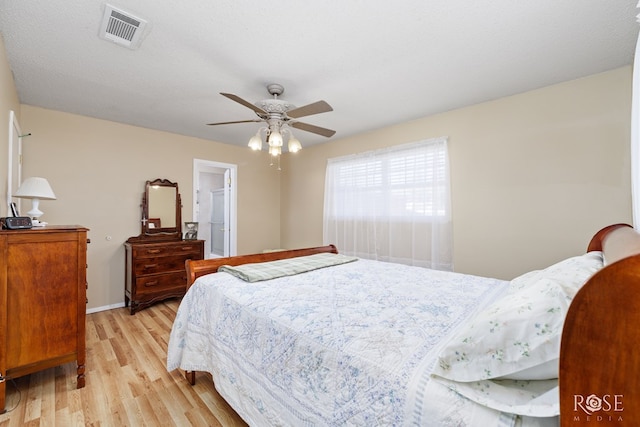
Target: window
{"points": [[391, 204]]}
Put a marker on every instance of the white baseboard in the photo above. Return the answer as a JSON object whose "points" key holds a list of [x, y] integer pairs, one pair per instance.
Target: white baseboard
{"points": [[105, 307]]}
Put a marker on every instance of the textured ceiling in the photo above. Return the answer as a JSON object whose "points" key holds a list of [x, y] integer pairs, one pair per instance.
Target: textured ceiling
{"points": [[376, 62]]}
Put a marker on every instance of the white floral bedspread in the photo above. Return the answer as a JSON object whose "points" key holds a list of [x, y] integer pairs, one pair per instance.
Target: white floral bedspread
{"points": [[347, 345]]}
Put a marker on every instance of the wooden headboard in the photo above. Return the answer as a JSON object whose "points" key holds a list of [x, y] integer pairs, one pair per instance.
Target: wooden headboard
{"points": [[599, 357], [199, 268]]}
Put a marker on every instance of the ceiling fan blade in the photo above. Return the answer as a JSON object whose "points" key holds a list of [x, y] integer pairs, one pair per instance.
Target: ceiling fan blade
{"points": [[237, 121], [313, 129], [259, 111], [309, 109]]}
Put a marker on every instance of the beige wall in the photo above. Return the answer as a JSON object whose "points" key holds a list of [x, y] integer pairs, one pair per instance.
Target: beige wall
{"points": [[533, 175], [8, 102], [98, 170]]}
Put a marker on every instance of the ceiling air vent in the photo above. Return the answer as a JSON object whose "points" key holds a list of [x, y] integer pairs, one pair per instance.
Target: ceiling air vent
{"points": [[121, 27]]}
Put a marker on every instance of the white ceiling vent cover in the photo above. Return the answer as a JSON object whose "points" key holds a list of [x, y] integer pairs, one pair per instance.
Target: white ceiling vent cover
{"points": [[121, 27]]}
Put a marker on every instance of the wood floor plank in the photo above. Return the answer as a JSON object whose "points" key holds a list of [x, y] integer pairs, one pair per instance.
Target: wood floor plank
{"points": [[60, 385], [127, 383], [34, 397], [158, 406], [119, 351], [48, 406], [63, 417]]}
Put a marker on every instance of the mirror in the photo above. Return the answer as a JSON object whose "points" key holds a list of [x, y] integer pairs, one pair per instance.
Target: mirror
{"points": [[161, 211], [162, 205]]}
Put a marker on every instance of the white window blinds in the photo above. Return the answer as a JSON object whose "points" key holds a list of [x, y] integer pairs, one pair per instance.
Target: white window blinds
{"points": [[391, 204]]}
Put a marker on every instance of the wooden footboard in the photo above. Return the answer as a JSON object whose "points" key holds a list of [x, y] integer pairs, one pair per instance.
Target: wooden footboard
{"points": [[599, 358], [199, 268]]}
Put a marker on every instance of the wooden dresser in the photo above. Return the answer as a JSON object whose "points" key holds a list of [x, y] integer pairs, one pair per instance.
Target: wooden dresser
{"points": [[42, 301], [155, 271]]}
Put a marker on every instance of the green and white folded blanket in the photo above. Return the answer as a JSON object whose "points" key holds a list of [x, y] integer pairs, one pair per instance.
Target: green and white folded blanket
{"points": [[256, 272]]}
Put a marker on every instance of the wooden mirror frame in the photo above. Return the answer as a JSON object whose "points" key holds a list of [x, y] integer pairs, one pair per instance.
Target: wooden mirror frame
{"points": [[162, 233]]}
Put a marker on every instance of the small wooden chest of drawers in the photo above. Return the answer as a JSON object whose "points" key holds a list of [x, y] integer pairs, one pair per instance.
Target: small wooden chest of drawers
{"points": [[155, 270]]}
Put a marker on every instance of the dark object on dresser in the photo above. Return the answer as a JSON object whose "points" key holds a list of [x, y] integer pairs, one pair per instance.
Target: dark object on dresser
{"points": [[16, 223]]}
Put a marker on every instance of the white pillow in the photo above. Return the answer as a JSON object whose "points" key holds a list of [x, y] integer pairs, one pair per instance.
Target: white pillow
{"points": [[518, 336]]}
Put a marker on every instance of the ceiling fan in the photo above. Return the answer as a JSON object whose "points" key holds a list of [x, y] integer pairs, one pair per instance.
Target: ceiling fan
{"points": [[278, 113]]}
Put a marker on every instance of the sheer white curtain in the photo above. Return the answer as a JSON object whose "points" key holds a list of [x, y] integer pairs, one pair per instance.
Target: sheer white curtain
{"points": [[392, 205], [635, 137]]}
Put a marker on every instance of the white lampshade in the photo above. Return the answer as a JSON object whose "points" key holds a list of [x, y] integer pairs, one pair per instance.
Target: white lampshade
{"points": [[275, 138], [35, 188], [294, 144], [255, 143]]}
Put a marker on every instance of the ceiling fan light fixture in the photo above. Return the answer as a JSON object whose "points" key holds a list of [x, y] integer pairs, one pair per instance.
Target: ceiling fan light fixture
{"points": [[294, 144], [275, 138], [275, 151], [255, 143], [279, 116]]}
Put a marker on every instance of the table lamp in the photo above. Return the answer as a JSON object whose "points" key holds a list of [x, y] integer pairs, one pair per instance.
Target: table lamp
{"points": [[36, 189]]}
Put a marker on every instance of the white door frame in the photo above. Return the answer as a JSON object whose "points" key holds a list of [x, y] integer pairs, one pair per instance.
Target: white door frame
{"points": [[200, 165]]}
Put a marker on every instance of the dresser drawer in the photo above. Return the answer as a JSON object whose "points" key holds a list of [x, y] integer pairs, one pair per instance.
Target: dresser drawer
{"points": [[167, 250], [158, 265], [160, 283]]}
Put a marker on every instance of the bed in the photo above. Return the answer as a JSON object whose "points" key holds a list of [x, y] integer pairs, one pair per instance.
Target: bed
{"points": [[312, 337]]}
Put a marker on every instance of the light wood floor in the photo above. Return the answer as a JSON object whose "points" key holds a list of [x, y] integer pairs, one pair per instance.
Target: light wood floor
{"points": [[127, 383]]}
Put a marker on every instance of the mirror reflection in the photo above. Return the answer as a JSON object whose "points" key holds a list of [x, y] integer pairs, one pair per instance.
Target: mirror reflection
{"points": [[162, 207]]}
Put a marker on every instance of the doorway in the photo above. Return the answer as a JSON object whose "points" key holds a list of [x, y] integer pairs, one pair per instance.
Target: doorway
{"points": [[214, 206]]}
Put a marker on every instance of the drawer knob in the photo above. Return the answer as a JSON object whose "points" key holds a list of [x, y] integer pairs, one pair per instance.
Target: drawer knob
{"points": [[153, 251], [150, 266], [151, 283]]}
